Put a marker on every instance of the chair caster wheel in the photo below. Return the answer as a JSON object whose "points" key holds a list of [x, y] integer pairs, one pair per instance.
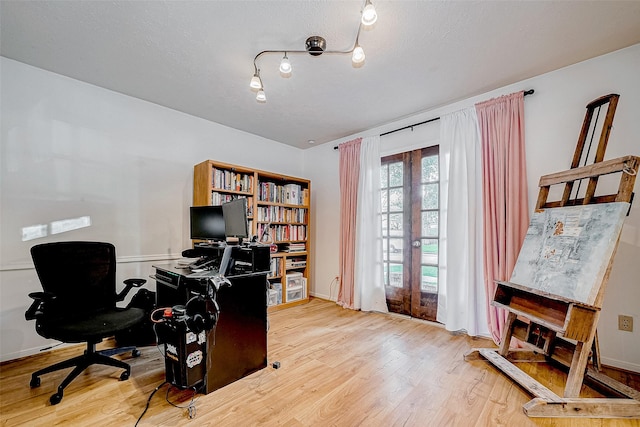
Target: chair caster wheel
{"points": [[124, 376], [136, 353], [55, 398], [35, 382]]}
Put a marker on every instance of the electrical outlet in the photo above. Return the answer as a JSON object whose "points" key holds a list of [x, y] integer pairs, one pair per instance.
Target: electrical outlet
{"points": [[625, 323]]}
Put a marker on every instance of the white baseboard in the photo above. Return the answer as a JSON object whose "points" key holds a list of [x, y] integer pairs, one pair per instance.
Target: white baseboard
{"points": [[620, 364], [322, 296]]}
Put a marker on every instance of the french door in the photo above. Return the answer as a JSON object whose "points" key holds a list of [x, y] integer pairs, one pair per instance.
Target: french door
{"points": [[410, 228]]}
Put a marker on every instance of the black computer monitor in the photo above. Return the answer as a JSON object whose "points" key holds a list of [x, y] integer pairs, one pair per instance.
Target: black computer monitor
{"points": [[207, 223], [235, 218]]}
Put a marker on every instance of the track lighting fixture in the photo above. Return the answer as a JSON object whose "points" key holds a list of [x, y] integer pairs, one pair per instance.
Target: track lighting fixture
{"points": [[315, 46]]}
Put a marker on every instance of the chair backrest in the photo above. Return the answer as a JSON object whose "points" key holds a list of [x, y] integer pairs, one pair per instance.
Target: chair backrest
{"points": [[82, 275]]}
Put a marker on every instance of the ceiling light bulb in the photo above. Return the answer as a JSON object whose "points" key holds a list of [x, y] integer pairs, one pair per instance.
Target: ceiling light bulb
{"points": [[285, 65], [256, 83], [369, 15], [358, 55], [261, 97]]}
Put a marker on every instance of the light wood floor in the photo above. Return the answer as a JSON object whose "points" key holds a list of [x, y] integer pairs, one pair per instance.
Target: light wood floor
{"points": [[338, 368]]}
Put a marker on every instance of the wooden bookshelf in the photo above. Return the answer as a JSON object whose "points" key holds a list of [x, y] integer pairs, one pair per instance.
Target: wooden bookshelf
{"points": [[278, 211]]}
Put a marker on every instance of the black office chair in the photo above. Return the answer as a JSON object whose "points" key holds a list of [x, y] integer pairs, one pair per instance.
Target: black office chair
{"points": [[79, 304]]}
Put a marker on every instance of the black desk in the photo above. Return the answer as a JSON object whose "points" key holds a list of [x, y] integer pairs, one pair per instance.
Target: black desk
{"points": [[237, 346]]}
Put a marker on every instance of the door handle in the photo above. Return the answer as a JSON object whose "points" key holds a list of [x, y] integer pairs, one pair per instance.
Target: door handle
{"points": [[416, 243]]}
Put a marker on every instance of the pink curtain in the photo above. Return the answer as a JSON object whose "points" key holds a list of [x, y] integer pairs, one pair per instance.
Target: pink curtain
{"points": [[504, 186], [349, 172]]}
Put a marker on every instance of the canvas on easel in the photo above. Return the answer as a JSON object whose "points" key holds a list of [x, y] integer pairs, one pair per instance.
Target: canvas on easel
{"points": [[566, 249]]}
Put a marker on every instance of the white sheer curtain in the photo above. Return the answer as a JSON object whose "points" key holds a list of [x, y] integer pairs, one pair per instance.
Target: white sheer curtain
{"points": [[461, 295], [369, 292]]}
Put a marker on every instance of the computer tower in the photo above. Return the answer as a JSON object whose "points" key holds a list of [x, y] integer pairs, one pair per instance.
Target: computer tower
{"points": [[185, 353]]}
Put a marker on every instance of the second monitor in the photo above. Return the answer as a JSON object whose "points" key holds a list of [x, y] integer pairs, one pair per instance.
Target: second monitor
{"points": [[236, 224]]}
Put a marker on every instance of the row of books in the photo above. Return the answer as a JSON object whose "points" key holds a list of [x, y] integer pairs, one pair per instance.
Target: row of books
{"points": [[290, 194], [281, 214], [220, 198], [233, 181], [278, 233], [276, 267]]}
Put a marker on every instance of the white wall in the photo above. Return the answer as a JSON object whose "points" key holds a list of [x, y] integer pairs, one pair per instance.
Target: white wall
{"points": [[70, 149], [553, 118]]}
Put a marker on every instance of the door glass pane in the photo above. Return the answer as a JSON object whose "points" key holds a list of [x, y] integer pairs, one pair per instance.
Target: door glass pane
{"points": [[430, 196], [395, 225], [395, 174], [429, 281], [395, 275], [395, 250], [430, 251], [430, 169], [385, 225], [430, 224], [395, 200]]}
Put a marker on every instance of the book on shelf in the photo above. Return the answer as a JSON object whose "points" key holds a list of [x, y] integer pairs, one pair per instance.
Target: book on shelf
{"points": [[291, 192], [296, 263], [296, 247]]}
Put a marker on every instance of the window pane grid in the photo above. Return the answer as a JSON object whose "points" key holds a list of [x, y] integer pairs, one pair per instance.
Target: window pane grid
{"points": [[430, 218], [391, 180]]}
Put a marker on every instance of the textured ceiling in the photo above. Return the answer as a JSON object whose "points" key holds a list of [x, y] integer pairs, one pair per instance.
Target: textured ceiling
{"points": [[197, 56]]}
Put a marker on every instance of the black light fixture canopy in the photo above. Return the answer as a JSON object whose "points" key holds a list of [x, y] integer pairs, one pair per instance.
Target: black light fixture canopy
{"points": [[316, 45]]}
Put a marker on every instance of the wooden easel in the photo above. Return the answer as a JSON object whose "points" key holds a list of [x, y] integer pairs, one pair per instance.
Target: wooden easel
{"points": [[552, 326]]}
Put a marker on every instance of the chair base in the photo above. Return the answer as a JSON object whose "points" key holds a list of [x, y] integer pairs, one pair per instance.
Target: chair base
{"points": [[80, 363]]}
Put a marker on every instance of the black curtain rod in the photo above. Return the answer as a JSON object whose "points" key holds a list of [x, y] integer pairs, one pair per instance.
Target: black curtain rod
{"points": [[526, 92]]}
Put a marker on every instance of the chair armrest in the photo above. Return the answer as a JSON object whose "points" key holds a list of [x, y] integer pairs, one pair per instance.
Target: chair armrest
{"points": [[128, 284], [39, 299]]}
